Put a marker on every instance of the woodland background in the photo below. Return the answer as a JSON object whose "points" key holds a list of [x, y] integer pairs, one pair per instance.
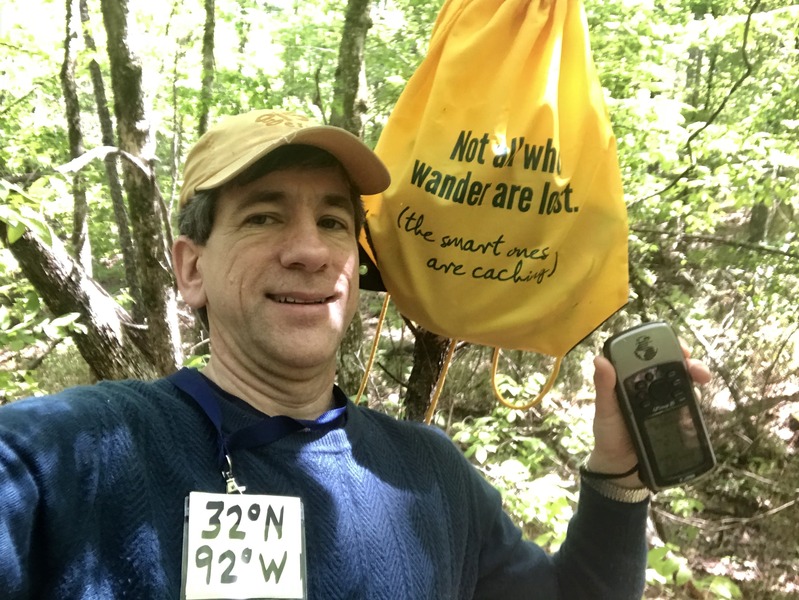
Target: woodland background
{"points": [[100, 100]]}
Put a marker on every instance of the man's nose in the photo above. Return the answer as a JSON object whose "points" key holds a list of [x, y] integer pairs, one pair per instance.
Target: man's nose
{"points": [[304, 247]]}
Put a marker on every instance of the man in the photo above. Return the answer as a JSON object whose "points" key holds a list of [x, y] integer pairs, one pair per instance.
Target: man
{"points": [[322, 499]]}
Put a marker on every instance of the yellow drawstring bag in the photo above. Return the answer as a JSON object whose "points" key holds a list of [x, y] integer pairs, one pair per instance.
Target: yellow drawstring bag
{"points": [[505, 223]]}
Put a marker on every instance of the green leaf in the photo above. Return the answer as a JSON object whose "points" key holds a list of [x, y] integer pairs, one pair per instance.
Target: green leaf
{"points": [[725, 588], [684, 573], [17, 223], [14, 232], [65, 320], [196, 362], [665, 562]]}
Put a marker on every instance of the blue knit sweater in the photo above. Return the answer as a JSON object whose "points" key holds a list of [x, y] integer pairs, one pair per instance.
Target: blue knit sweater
{"points": [[93, 482]]}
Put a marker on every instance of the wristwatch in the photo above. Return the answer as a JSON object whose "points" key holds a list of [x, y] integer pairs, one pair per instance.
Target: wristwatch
{"points": [[608, 489], [603, 483]]}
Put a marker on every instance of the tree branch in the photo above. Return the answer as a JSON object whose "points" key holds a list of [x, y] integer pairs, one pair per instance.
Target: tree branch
{"points": [[710, 239], [111, 350], [102, 152], [770, 369], [37, 362], [391, 375], [747, 72], [15, 102]]}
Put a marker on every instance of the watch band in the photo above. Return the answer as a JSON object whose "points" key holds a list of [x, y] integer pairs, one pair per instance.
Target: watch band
{"points": [[585, 472], [613, 491]]}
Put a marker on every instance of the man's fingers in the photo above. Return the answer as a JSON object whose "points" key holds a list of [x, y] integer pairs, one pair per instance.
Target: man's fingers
{"points": [[604, 384], [696, 368], [699, 371]]}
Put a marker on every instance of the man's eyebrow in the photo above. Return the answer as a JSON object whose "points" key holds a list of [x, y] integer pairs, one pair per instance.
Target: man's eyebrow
{"points": [[334, 200], [261, 197], [339, 201]]}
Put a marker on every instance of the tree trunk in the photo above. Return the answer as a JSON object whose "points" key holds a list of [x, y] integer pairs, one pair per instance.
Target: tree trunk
{"points": [[758, 223], [111, 161], [429, 351], [146, 216], [349, 89], [81, 246], [206, 92], [346, 113], [693, 74], [711, 73], [109, 345]]}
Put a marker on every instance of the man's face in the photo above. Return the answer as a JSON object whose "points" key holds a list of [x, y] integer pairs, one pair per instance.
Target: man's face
{"points": [[280, 269]]}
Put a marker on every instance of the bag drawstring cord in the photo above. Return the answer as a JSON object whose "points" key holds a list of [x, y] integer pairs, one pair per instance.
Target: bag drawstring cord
{"points": [[544, 390], [428, 417], [373, 352]]}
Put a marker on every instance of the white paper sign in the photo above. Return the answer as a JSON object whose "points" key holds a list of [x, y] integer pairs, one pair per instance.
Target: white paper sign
{"points": [[243, 546]]}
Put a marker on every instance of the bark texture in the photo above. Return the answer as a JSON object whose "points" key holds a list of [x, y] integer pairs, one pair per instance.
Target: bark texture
{"points": [[81, 246], [111, 161], [206, 92], [346, 113], [349, 89], [111, 344], [144, 199], [429, 351]]}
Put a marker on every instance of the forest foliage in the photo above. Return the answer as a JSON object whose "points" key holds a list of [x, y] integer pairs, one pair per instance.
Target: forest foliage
{"points": [[704, 102]]}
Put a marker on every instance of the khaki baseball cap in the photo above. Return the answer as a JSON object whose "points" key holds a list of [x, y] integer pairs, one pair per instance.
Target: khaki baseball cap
{"points": [[237, 142]]}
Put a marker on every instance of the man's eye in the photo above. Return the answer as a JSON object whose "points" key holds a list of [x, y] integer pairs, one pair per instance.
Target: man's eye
{"points": [[258, 219], [333, 223]]}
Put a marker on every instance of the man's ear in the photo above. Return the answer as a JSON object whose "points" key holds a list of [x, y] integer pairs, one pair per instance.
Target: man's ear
{"points": [[185, 258]]}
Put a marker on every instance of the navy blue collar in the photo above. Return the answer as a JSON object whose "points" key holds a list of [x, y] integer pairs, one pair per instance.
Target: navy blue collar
{"points": [[263, 432]]}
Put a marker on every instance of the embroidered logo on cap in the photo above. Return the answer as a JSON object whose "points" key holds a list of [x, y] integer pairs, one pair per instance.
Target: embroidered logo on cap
{"points": [[282, 118]]}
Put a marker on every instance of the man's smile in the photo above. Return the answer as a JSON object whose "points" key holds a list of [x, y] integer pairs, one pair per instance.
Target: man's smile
{"points": [[295, 300]]}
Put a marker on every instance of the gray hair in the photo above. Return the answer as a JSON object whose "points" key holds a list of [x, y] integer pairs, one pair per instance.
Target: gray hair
{"points": [[196, 218]]}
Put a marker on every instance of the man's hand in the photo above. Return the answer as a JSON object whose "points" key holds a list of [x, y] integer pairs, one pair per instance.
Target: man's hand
{"points": [[613, 449]]}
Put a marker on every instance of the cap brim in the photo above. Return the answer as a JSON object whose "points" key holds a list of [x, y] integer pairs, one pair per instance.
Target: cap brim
{"points": [[363, 166]]}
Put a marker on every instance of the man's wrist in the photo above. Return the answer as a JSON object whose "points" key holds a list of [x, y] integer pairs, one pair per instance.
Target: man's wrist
{"points": [[608, 489], [621, 487], [622, 470]]}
